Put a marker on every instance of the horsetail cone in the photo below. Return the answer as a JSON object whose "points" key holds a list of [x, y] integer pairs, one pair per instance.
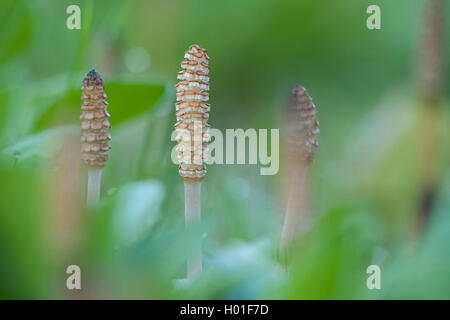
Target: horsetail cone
{"points": [[192, 114], [303, 126], [95, 125]]}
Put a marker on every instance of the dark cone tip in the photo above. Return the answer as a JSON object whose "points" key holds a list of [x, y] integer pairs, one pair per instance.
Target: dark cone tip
{"points": [[92, 73]]}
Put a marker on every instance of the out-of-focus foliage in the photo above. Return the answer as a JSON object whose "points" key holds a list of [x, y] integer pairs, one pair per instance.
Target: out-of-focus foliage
{"points": [[365, 185]]}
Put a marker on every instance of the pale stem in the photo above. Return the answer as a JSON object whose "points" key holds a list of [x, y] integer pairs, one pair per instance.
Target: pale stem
{"points": [[94, 184], [296, 204], [192, 217]]}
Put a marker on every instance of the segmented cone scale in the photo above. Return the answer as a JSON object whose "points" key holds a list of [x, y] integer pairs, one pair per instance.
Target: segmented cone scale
{"points": [[192, 114], [95, 125], [303, 126]]}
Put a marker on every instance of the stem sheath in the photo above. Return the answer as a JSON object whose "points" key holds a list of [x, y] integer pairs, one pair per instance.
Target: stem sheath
{"points": [[192, 217], [296, 204], [94, 184]]}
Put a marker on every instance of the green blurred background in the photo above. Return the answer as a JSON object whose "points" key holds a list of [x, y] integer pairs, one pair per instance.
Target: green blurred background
{"points": [[367, 183]]}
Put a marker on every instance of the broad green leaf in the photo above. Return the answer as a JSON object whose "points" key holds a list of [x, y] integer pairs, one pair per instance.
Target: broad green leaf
{"points": [[43, 144], [24, 253], [15, 28], [126, 101]]}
